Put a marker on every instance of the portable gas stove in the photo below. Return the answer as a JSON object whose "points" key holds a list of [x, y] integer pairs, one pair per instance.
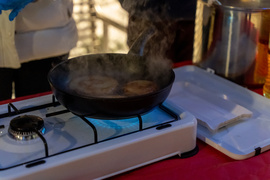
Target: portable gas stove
{"points": [[40, 139]]}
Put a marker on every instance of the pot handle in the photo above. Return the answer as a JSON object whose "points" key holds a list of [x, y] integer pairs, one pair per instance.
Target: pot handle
{"points": [[138, 46]]}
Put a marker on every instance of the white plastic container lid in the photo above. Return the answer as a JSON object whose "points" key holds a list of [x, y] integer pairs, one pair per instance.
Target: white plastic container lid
{"points": [[239, 140]]}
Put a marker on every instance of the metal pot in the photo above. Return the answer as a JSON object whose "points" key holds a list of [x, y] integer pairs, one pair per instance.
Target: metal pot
{"points": [[231, 38]]}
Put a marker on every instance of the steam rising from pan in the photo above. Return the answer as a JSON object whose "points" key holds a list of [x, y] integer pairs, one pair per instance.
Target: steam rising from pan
{"points": [[122, 67], [157, 15], [154, 64]]}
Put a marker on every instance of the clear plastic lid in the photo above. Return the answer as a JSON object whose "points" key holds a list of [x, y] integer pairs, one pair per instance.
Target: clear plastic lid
{"points": [[212, 98]]}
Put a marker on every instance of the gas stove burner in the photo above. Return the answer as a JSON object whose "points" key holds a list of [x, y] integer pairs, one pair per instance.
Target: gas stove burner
{"points": [[26, 127]]}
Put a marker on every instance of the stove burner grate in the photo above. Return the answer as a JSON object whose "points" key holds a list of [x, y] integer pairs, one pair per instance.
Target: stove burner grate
{"points": [[140, 123], [20, 131]]}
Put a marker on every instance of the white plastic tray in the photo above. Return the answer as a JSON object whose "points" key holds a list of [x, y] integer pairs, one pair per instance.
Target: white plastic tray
{"points": [[241, 139]]}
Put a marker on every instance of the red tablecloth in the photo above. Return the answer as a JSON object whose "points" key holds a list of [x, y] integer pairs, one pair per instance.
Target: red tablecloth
{"points": [[207, 164], [25, 97]]}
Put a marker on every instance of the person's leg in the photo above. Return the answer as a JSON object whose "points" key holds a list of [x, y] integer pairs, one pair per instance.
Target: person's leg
{"points": [[6, 79], [32, 76]]}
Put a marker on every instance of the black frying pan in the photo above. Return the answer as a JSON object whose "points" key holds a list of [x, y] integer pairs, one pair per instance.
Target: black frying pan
{"points": [[124, 68]]}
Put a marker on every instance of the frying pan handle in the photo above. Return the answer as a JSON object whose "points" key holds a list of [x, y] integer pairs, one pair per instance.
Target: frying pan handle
{"points": [[138, 46]]}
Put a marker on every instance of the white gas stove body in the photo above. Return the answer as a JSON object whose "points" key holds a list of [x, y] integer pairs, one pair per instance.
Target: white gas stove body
{"points": [[74, 154]]}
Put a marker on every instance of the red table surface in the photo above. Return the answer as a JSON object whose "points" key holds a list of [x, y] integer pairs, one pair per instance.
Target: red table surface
{"points": [[207, 164]]}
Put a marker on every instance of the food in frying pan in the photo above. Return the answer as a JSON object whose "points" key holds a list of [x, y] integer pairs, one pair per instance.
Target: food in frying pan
{"points": [[139, 87], [108, 87], [94, 85]]}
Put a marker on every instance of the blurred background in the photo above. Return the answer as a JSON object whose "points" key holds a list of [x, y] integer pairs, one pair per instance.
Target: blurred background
{"points": [[101, 27]]}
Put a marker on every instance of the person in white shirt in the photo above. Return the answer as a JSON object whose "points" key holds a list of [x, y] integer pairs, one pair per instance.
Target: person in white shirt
{"points": [[42, 33]]}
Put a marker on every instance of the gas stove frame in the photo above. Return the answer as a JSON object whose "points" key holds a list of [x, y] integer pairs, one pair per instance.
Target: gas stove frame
{"points": [[110, 157]]}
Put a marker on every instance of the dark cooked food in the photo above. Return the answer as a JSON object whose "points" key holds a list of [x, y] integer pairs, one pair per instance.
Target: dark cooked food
{"points": [[94, 85], [139, 87]]}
